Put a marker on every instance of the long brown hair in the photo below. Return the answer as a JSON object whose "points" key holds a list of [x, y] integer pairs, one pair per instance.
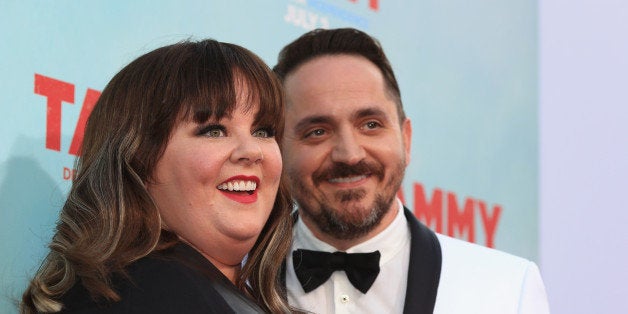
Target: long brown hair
{"points": [[109, 219]]}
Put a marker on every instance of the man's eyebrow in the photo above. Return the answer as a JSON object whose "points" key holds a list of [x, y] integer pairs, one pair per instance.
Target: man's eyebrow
{"points": [[369, 112], [307, 121]]}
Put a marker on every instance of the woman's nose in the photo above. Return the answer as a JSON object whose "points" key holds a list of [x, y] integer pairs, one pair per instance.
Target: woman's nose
{"points": [[248, 150]]}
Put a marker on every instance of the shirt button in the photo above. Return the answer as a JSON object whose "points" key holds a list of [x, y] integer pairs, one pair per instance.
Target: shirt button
{"points": [[344, 298]]}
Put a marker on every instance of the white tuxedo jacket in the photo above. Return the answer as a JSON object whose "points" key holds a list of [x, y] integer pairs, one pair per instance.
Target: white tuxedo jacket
{"points": [[476, 279], [450, 276]]}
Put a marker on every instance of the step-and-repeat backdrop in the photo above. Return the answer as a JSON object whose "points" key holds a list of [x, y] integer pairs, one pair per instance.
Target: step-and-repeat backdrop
{"points": [[467, 72]]}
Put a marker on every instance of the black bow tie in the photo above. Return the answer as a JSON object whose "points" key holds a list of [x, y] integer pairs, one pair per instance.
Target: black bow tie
{"points": [[313, 268]]}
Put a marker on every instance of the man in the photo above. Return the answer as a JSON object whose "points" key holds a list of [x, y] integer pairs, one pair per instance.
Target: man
{"points": [[346, 147]]}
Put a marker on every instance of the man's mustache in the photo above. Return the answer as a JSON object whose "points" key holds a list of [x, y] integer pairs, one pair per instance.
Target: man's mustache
{"points": [[343, 170]]}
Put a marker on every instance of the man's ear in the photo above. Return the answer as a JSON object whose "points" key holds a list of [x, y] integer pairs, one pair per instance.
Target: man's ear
{"points": [[406, 133]]}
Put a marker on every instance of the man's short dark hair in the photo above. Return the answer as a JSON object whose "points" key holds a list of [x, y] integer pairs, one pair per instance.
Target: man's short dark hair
{"points": [[321, 42]]}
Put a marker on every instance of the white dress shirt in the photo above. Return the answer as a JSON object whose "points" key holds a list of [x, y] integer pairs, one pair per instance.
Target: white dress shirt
{"points": [[337, 295]]}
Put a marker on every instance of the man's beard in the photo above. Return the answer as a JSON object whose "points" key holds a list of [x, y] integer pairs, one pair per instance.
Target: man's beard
{"points": [[350, 221]]}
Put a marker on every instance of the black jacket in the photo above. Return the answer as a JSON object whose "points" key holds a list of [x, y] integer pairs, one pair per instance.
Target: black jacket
{"points": [[177, 280]]}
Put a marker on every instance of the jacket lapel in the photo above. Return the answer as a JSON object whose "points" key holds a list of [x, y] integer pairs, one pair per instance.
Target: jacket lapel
{"points": [[424, 268]]}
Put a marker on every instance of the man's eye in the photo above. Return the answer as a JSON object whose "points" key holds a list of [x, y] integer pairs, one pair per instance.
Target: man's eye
{"points": [[372, 125], [315, 133], [264, 132]]}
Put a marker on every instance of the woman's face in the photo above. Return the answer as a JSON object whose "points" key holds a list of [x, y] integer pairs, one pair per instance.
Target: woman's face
{"points": [[216, 183]]}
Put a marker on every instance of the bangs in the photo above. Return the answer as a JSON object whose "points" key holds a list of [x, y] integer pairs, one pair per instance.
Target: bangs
{"points": [[223, 75]]}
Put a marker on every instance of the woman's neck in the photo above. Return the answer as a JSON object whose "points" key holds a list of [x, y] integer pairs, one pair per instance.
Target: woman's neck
{"points": [[230, 271], [228, 262]]}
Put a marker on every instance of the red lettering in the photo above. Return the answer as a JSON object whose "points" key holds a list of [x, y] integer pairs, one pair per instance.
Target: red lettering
{"points": [[56, 92], [429, 211], [68, 173], [490, 222], [88, 104], [459, 223], [373, 4], [462, 220]]}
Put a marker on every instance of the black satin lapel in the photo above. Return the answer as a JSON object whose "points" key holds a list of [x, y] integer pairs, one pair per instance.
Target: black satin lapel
{"points": [[232, 297], [424, 268], [282, 276]]}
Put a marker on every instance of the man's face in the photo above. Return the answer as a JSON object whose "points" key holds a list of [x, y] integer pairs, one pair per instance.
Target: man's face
{"points": [[345, 151]]}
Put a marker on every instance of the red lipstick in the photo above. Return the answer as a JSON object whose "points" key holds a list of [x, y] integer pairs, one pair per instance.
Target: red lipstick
{"points": [[241, 187]]}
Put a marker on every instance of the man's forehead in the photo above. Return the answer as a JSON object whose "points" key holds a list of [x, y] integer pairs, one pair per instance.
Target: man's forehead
{"points": [[311, 71], [336, 86]]}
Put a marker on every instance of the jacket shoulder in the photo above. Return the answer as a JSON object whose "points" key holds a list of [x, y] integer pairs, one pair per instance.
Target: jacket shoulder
{"points": [[153, 285], [486, 280]]}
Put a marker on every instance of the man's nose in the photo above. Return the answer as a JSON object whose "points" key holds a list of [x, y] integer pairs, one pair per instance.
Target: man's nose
{"points": [[347, 148]]}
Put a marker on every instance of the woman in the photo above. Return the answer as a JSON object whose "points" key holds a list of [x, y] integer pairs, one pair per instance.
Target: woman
{"points": [[178, 180]]}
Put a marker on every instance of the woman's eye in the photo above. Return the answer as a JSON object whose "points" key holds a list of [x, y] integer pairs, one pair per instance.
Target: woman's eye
{"points": [[315, 133], [264, 132], [214, 131]]}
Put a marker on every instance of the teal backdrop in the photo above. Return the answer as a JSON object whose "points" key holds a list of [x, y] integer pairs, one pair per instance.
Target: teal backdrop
{"points": [[467, 72]]}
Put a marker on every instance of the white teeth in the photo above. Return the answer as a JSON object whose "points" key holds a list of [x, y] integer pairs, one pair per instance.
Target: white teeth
{"points": [[250, 186], [240, 185], [347, 179]]}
